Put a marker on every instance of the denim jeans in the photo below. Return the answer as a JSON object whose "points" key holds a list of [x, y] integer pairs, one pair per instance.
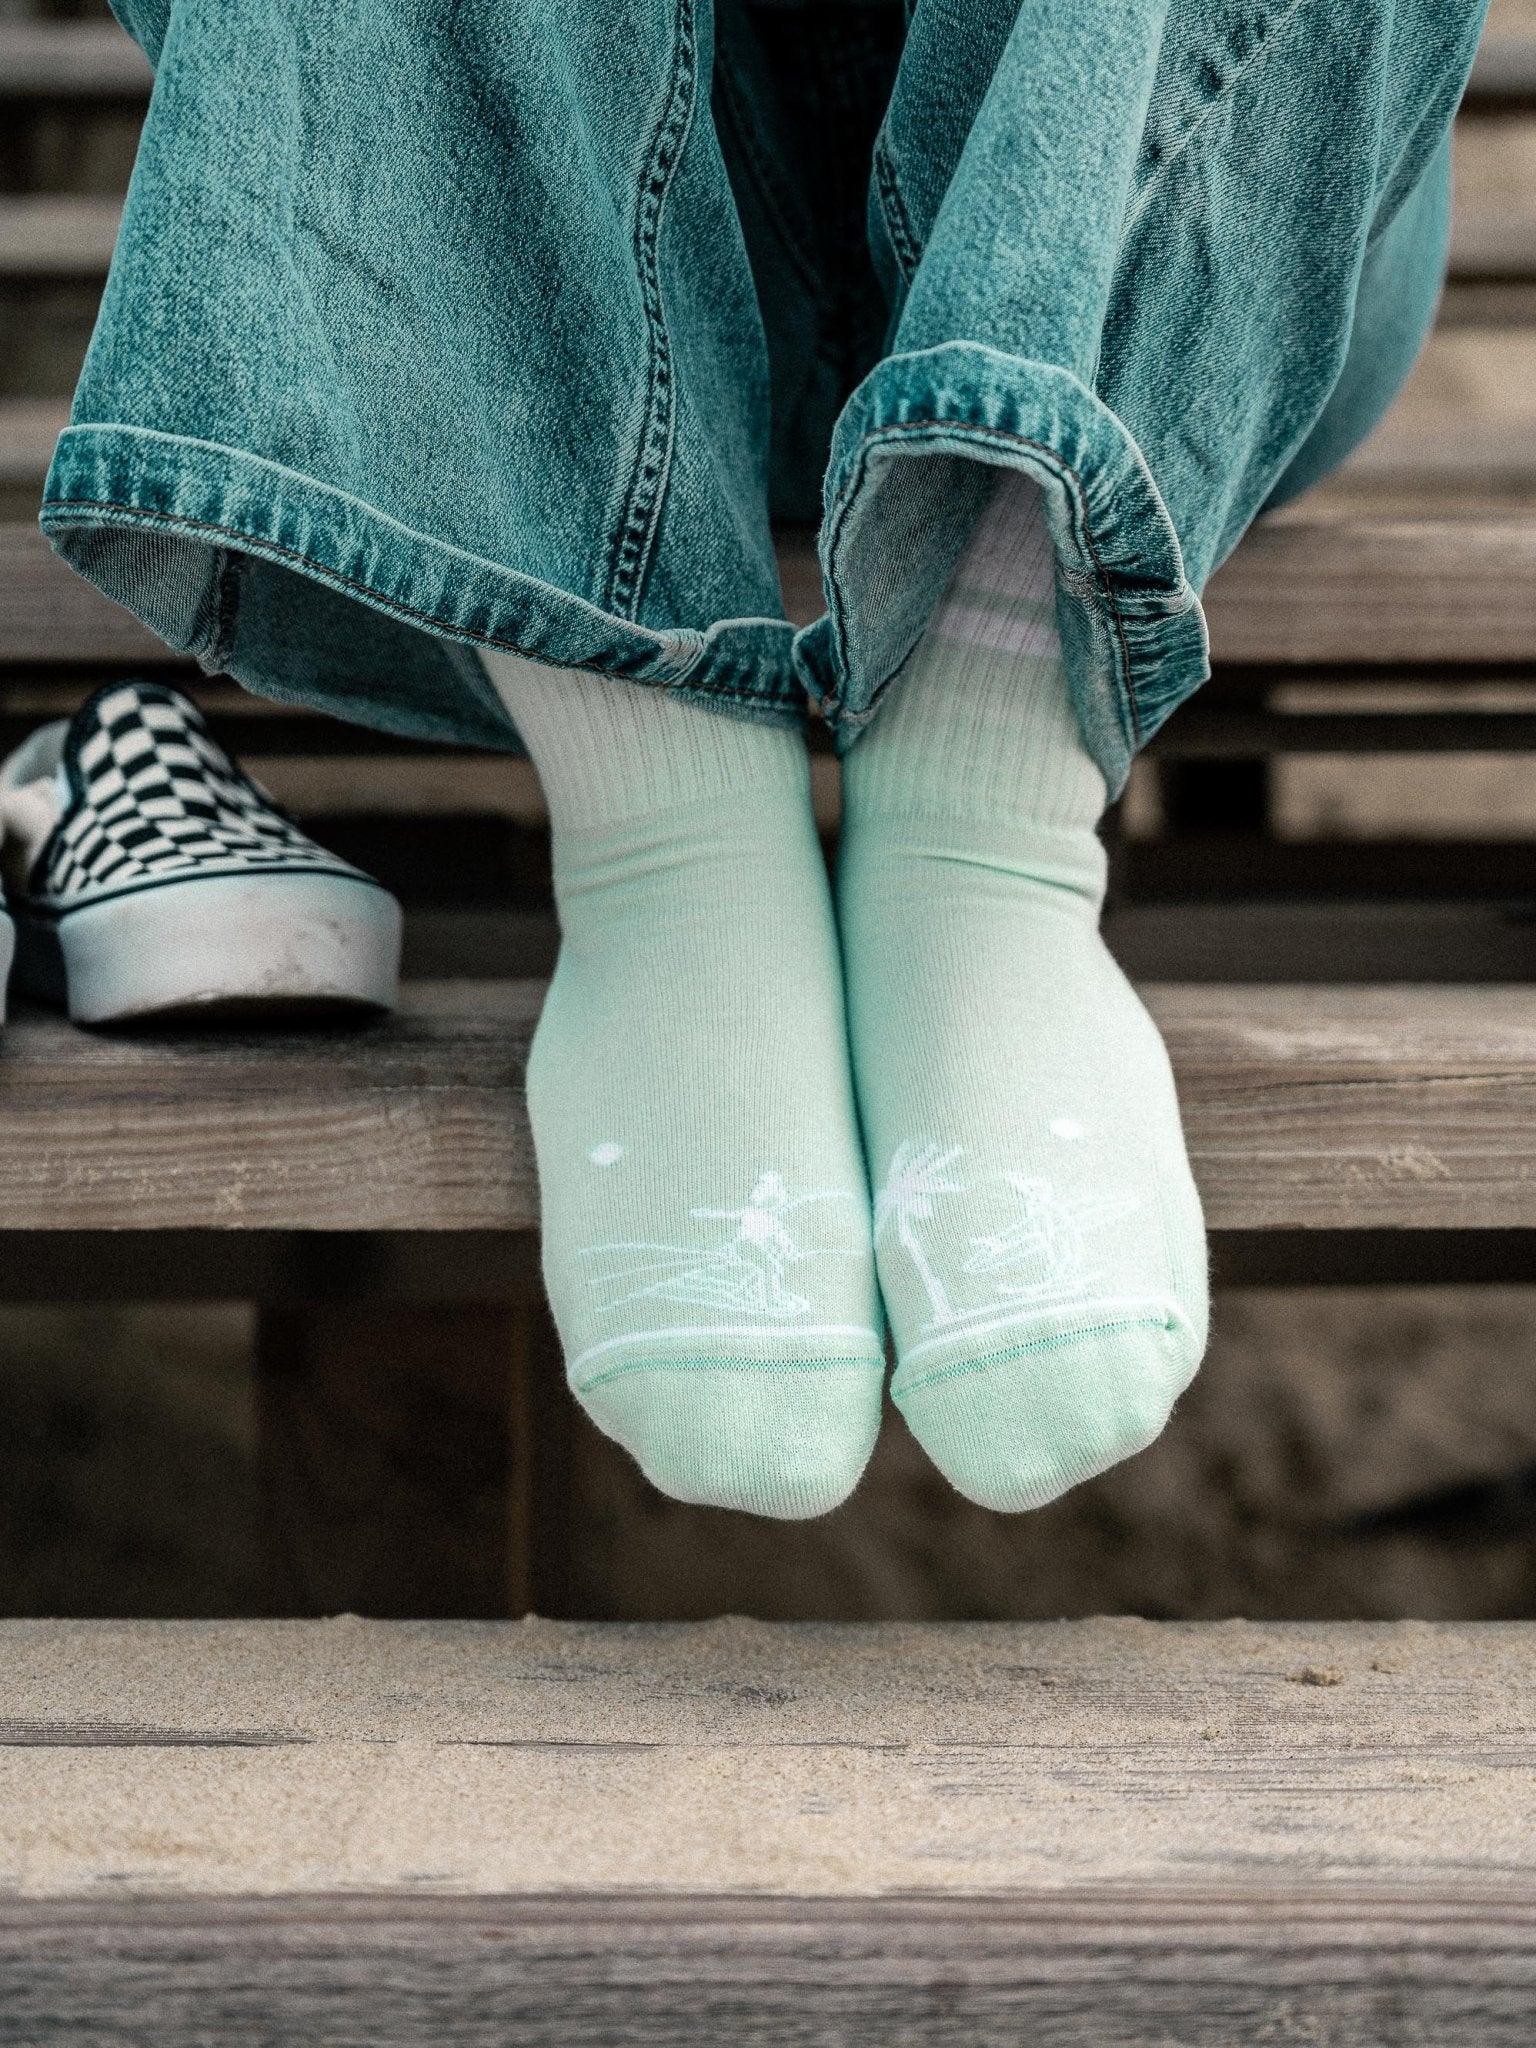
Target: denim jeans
{"points": [[436, 323]]}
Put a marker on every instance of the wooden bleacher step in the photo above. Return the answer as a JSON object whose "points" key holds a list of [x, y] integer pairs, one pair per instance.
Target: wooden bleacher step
{"points": [[1320, 1108], [1116, 1832]]}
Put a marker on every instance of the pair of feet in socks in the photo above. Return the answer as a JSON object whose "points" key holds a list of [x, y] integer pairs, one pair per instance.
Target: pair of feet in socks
{"points": [[773, 1119]]}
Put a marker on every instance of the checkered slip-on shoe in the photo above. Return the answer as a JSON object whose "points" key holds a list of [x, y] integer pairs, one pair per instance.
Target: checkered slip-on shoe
{"points": [[151, 875]]}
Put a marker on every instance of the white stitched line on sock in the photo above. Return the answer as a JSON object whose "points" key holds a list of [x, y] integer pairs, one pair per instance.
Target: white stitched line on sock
{"points": [[1101, 1310], [695, 1331]]}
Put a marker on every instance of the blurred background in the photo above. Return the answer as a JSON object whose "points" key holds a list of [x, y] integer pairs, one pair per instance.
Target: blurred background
{"points": [[1363, 1444]]}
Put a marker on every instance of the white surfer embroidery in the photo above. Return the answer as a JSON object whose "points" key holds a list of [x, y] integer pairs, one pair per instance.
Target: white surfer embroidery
{"points": [[1039, 1257], [744, 1271]]}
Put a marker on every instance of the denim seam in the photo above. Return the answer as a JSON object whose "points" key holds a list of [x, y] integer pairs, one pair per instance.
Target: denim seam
{"points": [[709, 1363], [1126, 695], [905, 246], [1051, 1343], [253, 544], [1257, 55], [653, 453]]}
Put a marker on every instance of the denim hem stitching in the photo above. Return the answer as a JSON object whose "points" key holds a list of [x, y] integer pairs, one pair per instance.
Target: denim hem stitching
{"points": [[788, 697]]}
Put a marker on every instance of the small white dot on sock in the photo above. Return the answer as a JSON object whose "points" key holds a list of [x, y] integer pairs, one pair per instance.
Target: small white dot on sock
{"points": [[1066, 1127], [607, 1154]]}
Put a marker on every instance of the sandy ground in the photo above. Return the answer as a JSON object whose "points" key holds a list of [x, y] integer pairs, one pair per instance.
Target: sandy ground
{"points": [[540, 1757]]}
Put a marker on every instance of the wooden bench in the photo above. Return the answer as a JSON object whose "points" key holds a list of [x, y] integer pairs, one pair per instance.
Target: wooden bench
{"points": [[1106, 1832]]}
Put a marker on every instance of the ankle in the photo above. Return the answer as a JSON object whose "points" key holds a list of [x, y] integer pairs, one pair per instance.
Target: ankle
{"points": [[610, 751]]}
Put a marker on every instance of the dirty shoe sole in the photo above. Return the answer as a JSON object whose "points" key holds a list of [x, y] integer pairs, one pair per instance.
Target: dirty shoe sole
{"points": [[215, 945]]}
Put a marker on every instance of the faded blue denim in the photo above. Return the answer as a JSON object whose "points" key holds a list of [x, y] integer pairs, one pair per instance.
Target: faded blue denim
{"points": [[437, 323]]}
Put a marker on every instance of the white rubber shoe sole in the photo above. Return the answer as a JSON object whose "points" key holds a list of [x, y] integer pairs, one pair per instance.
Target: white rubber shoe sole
{"points": [[218, 945]]}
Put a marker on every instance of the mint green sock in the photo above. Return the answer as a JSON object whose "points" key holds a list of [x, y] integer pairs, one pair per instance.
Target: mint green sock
{"points": [[705, 1207], [1039, 1239]]}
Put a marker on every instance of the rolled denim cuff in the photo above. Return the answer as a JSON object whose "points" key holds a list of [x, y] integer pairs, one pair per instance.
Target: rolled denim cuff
{"points": [[910, 463]]}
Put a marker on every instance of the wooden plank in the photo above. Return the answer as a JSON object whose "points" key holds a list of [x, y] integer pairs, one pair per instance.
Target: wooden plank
{"points": [[1379, 591], [1116, 1832], [416, 1122], [1466, 416], [56, 238], [1349, 942], [93, 61], [1382, 592], [1245, 868], [1214, 730], [1338, 1108], [1359, 941], [1189, 1966]]}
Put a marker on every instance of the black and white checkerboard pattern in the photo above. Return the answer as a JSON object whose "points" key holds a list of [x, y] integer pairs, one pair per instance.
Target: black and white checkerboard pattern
{"points": [[155, 798]]}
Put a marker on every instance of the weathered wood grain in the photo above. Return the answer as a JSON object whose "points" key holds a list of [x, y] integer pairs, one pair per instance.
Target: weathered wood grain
{"points": [[1108, 1832], [1387, 592], [1382, 591], [1317, 1108], [1181, 1969], [875, 1758], [390, 1127]]}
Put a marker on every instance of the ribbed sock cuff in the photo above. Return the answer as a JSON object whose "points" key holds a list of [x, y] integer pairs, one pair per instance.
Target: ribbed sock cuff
{"points": [[607, 749], [980, 721]]}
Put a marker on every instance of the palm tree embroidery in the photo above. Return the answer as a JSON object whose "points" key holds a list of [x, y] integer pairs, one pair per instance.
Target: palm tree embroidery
{"points": [[916, 1175], [1051, 1237], [745, 1274]]}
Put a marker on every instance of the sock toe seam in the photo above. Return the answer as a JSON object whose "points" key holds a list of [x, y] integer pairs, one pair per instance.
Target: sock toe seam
{"points": [[709, 1364], [1051, 1343]]}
